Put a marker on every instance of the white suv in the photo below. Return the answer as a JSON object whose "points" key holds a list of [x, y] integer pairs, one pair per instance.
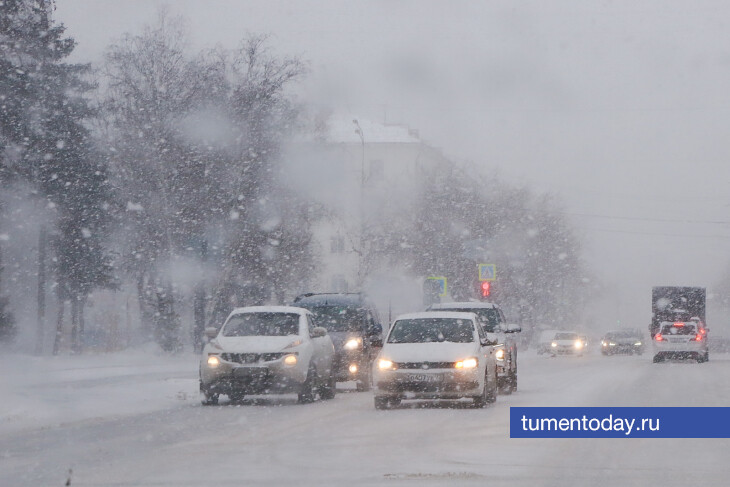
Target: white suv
{"points": [[267, 349], [681, 339]]}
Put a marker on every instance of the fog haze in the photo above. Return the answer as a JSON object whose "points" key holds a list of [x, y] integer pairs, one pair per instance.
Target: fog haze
{"points": [[617, 108]]}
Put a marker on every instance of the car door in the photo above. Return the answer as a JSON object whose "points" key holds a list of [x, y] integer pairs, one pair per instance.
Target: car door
{"points": [[323, 350], [486, 352]]}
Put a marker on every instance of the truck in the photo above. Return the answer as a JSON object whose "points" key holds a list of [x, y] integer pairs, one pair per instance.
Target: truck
{"points": [[676, 303]]}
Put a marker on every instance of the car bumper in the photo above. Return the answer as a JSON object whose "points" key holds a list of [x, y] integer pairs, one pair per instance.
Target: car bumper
{"points": [[621, 349], [688, 347], [566, 351], [344, 360], [415, 384], [275, 378]]}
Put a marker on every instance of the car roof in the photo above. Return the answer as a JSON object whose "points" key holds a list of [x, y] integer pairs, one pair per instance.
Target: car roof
{"points": [[269, 309], [438, 314], [331, 299], [463, 304]]}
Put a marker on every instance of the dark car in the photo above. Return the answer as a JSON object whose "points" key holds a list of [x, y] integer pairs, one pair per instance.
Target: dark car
{"points": [[353, 324], [622, 341]]}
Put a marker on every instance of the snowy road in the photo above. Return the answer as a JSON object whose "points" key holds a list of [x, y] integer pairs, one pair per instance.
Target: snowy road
{"points": [[135, 420]]}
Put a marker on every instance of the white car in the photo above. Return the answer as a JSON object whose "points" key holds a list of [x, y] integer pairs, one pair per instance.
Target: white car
{"points": [[267, 349], [682, 339], [566, 343], [493, 321], [436, 355]]}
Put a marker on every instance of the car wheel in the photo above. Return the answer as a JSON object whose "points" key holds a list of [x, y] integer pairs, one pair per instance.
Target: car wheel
{"points": [[707, 356], [492, 393], [513, 381], [329, 390], [481, 400], [365, 381], [207, 398], [382, 402], [307, 389], [658, 358]]}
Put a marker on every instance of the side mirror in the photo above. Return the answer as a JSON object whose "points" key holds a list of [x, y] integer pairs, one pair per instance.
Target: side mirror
{"points": [[211, 332], [375, 329], [512, 328], [318, 332], [376, 341]]}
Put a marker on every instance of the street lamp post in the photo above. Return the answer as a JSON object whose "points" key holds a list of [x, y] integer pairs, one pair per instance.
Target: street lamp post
{"points": [[358, 131]]}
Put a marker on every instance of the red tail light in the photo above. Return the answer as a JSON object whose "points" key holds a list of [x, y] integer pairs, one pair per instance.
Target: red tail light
{"points": [[679, 324], [703, 331], [658, 337], [698, 338]]}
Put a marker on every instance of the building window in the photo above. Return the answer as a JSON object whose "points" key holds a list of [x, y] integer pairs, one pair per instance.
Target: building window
{"points": [[377, 170], [337, 244], [339, 283]]}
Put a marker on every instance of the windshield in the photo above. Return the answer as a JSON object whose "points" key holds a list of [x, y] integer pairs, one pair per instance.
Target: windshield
{"points": [[566, 336], [488, 316], [622, 334], [678, 329], [262, 324], [423, 330], [338, 318]]}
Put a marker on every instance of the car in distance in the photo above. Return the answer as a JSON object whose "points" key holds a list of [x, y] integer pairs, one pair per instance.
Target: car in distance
{"points": [[622, 342], [493, 321], [267, 349], [681, 339], [353, 324], [566, 343], [436, 355]]}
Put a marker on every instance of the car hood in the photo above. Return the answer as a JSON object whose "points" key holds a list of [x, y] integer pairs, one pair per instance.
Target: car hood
{"points": [[255, 344], [428, 352]]}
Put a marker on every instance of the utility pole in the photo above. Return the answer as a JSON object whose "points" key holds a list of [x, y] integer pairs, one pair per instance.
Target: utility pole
{"points": [[361, 251]]}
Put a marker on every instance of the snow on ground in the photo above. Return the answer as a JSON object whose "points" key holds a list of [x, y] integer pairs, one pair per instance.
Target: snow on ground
{"points": [[133, 419]]}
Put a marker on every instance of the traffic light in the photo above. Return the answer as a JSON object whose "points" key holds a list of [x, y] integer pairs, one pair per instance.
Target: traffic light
{"points": [[485, 288]]}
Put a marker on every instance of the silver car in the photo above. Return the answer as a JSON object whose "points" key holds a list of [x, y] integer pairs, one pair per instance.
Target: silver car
{"points": [[436, 355], [682, 339], [267, 349]]}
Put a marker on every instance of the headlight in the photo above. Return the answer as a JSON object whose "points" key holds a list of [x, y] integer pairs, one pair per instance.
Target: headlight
{"points": [[500, 354], [469, 363], [637, 344], [290, 360], [578, 344], [213, 361], [553, 344], [612, 344], [353, 343], [603, 344], [384, 364]]}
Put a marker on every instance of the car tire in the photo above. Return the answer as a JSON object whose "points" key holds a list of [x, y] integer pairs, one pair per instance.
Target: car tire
{"points": [[481, 400], [513, 381], [492, 392], [707, 356], [207, 398], [329, 390], [382, 402], [364, 382], [307, 389], [658, 358]]}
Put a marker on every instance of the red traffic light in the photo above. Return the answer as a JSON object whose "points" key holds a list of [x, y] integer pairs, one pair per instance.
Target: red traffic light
{"points": [[486, 288]]}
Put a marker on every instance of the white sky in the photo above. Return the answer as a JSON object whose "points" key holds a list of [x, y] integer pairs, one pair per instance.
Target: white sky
{"points": [[620, 107]]}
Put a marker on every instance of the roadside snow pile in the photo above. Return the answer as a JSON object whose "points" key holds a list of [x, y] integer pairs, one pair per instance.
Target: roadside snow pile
{"points": [[43, 392]]}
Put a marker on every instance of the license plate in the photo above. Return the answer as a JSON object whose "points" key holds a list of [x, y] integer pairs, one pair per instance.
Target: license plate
{"points": [[676, 340], [250, 371], [423, 378]]}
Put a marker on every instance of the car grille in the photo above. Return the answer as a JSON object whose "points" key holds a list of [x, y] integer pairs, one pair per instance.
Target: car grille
{"points": [[425, 365], [251, 358]]}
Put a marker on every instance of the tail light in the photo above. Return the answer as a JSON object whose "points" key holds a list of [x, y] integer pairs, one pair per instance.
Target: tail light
{"points": [[698, 338], [703, 331], [679, 324], [658, 337]]}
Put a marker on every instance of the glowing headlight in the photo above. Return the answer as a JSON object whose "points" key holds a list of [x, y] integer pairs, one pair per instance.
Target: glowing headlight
{"points": [[469, 363], [352, 368], [213, 361], [612, 344], [353, 343], [500, 354], [578, 344], [384, 364], [290, 360], [553, 344], [637, 344], [603, 344]]}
